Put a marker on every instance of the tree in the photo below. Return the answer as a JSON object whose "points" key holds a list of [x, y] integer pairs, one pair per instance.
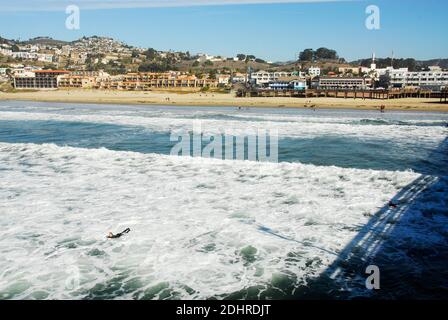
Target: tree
{"points": [[306, 55], [260, 60], [208, 63], [49, 67], [151, 67], [250, 57], [212, 74], [241, 57], [15, 48], [195, 64], [325, 54], [150, 54]]}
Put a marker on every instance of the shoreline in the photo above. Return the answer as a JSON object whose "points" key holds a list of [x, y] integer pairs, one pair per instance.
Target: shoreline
{"points": [[211, 99]]}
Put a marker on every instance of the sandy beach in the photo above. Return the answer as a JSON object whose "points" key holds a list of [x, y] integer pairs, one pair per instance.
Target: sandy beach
{"points": [[220, 99]]}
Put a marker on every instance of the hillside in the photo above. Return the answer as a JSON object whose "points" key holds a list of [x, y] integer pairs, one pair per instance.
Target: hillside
{"points": [[230, 65], [133, 59], [45, 41]]}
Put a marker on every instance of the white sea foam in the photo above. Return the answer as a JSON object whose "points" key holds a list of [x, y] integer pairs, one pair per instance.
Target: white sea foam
{"points": [[298, 127], [192, 221]]}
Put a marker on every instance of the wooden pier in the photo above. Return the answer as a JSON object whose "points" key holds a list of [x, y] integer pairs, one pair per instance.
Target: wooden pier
{"points": [[346, 94], [444, 95]]}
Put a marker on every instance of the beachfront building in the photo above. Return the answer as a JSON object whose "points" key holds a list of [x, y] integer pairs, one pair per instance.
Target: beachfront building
{"points": [[288, 83], [344, 83], [82, 79], [434, 78], [149, 80], [76, 82], [38, 79], [262, 78]]}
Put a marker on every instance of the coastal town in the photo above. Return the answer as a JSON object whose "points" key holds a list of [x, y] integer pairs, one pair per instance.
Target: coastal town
{"points": [[100, 63]]}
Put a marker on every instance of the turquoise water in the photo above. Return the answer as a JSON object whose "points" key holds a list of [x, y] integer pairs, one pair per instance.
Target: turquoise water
{"points": [[375, 151], [230, 229]]}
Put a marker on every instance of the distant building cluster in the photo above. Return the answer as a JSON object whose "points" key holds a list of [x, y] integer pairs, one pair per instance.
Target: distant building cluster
{"points": [[77, 58], [28, 52]]}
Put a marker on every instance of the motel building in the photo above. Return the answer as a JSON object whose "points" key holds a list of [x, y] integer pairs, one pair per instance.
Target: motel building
{"points": [[38, 79], [82, 79], [288, 83], [263, 77], [434, 78], [344, 83], [147, 81]]}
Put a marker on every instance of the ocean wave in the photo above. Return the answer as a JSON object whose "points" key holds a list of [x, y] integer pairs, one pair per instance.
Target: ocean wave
{"points": [[303, 129], [200, 227]]}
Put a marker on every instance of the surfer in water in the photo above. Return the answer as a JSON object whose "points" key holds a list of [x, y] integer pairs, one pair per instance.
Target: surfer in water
{"points": [[118, 235]]}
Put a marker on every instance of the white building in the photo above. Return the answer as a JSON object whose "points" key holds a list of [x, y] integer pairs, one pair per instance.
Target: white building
{"points": [[24, 55], [314, 71], [202, 57], [240, 77], [263, 77], [5, 52], [344, 83], [401, 78], [354, 70], [45, 57], [223, 79]]}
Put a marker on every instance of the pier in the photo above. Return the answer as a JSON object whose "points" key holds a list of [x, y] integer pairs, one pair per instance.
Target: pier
{"points": [[444, 95], [380, 94]]}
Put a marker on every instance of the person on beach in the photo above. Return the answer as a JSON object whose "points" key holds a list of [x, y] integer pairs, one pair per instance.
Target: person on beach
{"points": [[118, 235]]}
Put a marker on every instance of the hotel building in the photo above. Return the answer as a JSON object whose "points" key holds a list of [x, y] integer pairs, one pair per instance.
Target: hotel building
{"points": [[434, 79], [263, 77], [148, 81], [345, 83], [39, 79]]}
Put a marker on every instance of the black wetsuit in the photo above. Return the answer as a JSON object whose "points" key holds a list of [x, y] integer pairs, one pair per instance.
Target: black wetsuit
{"points": [[118, 235]]}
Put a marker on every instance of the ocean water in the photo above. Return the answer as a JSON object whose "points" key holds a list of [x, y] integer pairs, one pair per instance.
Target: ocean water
{"points": [[305, 227]]}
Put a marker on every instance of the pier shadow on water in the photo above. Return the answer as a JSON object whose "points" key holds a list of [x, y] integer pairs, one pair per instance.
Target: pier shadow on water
{"points": [[407, 239]]}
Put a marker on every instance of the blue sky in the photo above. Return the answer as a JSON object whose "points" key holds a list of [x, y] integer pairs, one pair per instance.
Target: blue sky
{"points": [[266, 28]]}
